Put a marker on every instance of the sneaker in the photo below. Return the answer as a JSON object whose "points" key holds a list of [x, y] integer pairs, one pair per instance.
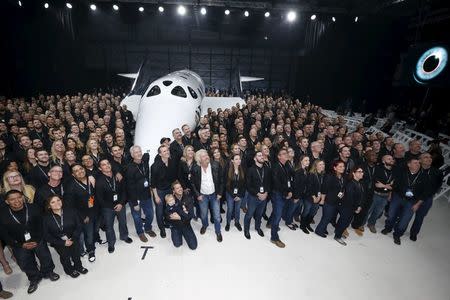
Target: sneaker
{"points": [[278, 243], [372, 228], [303, 228], [291, 226], [340, 241], [143, 238], [91, 257], [151, 233], [309, 228]]}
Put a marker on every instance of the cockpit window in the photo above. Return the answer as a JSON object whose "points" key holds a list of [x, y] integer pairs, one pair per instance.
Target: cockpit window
{"points": [[167, 82], [179, 91], [155, 90], [192, 92]]}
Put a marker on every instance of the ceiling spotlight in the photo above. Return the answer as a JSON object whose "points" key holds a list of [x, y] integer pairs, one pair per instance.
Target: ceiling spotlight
{"points": [[68, 5], [46, 5], [227, 12], [291, 16], [267, 14], [115, 7], [356, 19], [266, 37], [246, 13], [161, 9], [313, 17], [203, 11], [333, 19], [20, 3], [181, 10], [141, 9], [93, 7]]}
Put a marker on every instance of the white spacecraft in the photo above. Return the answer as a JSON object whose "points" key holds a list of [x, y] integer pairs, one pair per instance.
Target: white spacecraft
{"points": [[170, 102]]}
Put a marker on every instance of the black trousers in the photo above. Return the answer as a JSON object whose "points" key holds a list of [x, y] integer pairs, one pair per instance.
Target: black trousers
{"points": [[345, 218], [26, 259], [70, 257], [358, 219]]}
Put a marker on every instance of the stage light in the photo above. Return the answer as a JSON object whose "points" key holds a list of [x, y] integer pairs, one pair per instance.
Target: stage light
{"points": [[227, 12], [313, 17], [68, 5], [356, 19], [20, 3], [181, 10], [246, 13], [161, 9], [93, 7], [291, 16], [115, 7], [333, 19], [430, 64], [46, 5], [141, 9], [267, 14], [266, 38], [203, 11]]}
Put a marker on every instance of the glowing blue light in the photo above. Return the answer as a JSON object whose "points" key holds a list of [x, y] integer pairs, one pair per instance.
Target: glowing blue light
{"points": [[440, 54]]}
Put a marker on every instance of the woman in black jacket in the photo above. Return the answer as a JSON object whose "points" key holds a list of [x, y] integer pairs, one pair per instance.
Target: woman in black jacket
{"points": [[62, 230], [235, 191], [313, 194], [296, 205], [187, 162], [354, 193]]}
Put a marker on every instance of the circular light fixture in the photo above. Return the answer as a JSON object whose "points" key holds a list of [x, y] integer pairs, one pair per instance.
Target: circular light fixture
{"points": [[266, 38], [430, 64], [313, 17], [68, 5], [246, 13], [203, 11], [267, 14], [115, 7], [227, 12], [291, 16], [141, 9], [161, 9], [93, 7], [333, 19], [46, 5], [181, 10]]}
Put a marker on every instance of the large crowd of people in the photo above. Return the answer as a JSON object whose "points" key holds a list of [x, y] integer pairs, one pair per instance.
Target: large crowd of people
{"points": [[70, 169]]}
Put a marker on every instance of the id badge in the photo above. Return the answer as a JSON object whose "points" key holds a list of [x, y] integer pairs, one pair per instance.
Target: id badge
{"points": [[115, 197], [261, 190], [340, 195], [189, 177], [64, 238], [91, 202], [27, 236], [235, 191], [409, 193], [146, 183], [289, 184]]}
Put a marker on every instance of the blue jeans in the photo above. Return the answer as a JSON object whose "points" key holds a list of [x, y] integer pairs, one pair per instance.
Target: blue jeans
{"points": [[147, 207], [244, 200], [233, 209], [345, 218], [255, 209], [278, 203], [309, 211], [87, 236], [160, 207], [177, 234], [329, 211], [210, 201], [420, 215], [400, 213], [376, 209], [109, 214], [292, 209]]}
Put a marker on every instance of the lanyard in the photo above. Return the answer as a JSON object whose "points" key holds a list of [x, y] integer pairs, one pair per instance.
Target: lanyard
{"points": [[141, 171], [95, 158], [371, 172], [341, 183], [26, 216], [285, 172], [113, 186], [261, 177], [411, 184], [45, 174], [60, 227], [388, 178], [62, 190], [319, 180], [88, 189]]}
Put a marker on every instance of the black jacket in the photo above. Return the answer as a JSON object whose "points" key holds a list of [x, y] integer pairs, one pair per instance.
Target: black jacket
{"points": [[163, 176], [300, 186], [178, 208], [71, 227], [235, 182], [196, 178], [39, 176], [78, 195], [331, 187], [185, 173], [257, 177], [136, 175], [314, 185], [281, 175], [354, 194], [434, 178], [416, 183], [105, 189], [44, 192]]}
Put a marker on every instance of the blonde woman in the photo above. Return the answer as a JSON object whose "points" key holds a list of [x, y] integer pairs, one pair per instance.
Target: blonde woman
{"points": [[13, 180], [57, 152], [94, 150]]}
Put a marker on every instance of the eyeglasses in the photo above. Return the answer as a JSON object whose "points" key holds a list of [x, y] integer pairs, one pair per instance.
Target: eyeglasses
{"points": [[13, 176]]}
